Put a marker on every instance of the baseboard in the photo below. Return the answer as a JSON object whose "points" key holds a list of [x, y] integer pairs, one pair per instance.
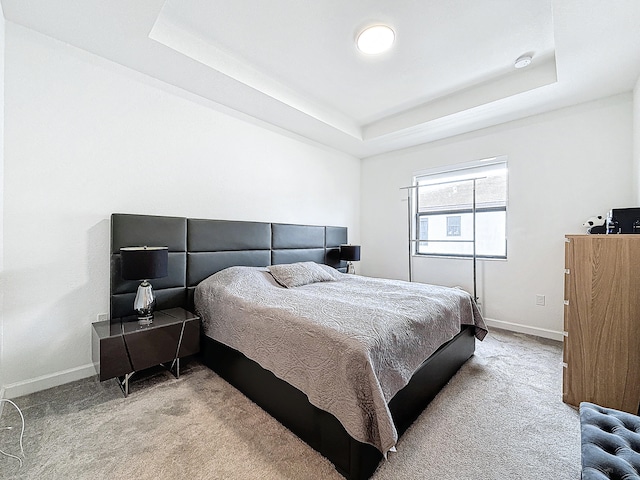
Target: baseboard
{"points": [[517, 327], [43, 382]]}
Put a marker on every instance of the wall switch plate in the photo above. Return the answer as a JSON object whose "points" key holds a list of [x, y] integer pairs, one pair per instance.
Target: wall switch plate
{"points": [[540, 300], [102, 317]]}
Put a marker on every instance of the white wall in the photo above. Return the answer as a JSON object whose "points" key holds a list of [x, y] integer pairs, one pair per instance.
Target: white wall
{"points": [[85, 138], [564, 166], [2, 42]]}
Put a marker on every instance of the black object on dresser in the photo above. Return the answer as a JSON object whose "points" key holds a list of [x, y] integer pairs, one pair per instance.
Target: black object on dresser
{"points": [[121, 346]]}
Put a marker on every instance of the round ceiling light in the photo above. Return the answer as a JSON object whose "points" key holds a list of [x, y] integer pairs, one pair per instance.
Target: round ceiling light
{"points": [[376, 39], [523, 61]]}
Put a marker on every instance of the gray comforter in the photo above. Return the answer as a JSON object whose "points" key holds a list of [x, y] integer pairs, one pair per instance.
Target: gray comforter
{"points": [[348, 344]]}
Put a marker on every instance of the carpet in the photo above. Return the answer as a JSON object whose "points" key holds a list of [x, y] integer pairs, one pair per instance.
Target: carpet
{"points": [[500, 417]]}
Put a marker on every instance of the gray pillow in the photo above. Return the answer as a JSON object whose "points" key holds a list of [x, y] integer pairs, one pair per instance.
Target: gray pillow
{"points": [[297, 274], [330, 270]]}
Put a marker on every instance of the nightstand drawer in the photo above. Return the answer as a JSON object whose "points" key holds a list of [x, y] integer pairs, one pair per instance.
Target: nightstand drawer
{"points": [[109, 356], [190, 339], [151, 347]]}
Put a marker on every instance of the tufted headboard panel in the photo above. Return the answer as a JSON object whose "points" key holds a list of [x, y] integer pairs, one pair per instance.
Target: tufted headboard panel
{"points": [[199, 248]]}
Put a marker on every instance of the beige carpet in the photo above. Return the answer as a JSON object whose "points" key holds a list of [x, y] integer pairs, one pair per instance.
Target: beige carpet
{"points": [[499, 418]]}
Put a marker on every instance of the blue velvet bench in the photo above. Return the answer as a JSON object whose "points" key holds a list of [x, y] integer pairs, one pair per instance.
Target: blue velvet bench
{"points": [[610, 443]]}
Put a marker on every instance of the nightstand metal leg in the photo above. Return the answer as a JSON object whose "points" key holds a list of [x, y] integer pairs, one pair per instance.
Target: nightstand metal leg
{"points": [[176, 359], [123, 383], [174, 368]]}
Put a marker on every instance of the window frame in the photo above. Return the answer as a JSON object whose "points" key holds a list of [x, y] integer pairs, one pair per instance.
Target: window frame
{"points": [[452, 170]]}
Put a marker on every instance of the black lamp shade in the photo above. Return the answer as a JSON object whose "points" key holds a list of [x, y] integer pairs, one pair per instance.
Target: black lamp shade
{"points": [[143, 263], [350, 253]]}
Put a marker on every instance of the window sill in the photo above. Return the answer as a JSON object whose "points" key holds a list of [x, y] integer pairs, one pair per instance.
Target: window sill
{"points": [[457, 257]]}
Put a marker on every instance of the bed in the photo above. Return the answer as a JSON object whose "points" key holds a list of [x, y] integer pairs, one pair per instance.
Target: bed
{"points": [[199, 248]]}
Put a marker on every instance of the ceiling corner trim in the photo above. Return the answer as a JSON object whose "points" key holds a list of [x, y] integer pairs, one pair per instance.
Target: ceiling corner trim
{"points": [[170, 34], [499, 89]]}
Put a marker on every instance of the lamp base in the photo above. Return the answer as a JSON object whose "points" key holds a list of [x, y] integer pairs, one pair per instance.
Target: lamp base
{"points": [[351, 268], [145, 319], [144, 303]]}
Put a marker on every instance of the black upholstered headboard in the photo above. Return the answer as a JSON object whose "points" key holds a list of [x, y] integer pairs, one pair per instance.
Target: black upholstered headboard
{"points": [[198, 248]]}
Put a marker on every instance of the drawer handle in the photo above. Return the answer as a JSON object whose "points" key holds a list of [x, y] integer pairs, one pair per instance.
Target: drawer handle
{"points": [[566, 302]]}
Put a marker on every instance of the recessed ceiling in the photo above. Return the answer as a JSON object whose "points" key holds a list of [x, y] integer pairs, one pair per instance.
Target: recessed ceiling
{"points": [[306, 57], [295, 64]]}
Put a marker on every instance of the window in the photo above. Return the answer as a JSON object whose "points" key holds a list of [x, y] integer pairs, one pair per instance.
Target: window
{"points": [[453, 226], [424, 229], [444, 210]]}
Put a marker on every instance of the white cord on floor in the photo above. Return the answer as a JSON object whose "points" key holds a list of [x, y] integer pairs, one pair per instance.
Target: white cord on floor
{"points": [[21, 433]]}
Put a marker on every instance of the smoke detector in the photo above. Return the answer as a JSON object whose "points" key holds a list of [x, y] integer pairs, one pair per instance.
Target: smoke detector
{"points": [[523, 61]]}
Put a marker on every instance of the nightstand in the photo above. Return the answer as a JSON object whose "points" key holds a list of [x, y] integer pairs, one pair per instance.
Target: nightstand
{"points": [[121, 346]]}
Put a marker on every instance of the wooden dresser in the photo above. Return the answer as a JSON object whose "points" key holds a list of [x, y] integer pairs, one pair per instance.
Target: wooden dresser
{"points": [[602, 321]]}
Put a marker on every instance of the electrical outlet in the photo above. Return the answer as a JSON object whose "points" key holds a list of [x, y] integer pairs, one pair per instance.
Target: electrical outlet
{"points": [[540, 300], [102, 317]]}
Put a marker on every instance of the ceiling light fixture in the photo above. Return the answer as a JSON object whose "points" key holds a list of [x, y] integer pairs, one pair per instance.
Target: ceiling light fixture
{"points": [[376, 39], [523, 61]]}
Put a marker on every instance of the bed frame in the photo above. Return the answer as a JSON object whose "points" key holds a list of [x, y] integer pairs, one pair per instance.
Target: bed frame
{"points": [[198, 248]]}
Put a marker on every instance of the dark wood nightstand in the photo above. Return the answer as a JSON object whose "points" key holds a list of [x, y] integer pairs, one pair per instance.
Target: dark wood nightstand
{"points": [[121, 347]]}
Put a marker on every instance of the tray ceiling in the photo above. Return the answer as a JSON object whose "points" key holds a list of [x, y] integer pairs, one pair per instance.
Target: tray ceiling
{"points": [[295, 65]]}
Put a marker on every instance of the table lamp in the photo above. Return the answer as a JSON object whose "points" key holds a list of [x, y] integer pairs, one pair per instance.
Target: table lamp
{"points": [[144, 263], [350, 253]]}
